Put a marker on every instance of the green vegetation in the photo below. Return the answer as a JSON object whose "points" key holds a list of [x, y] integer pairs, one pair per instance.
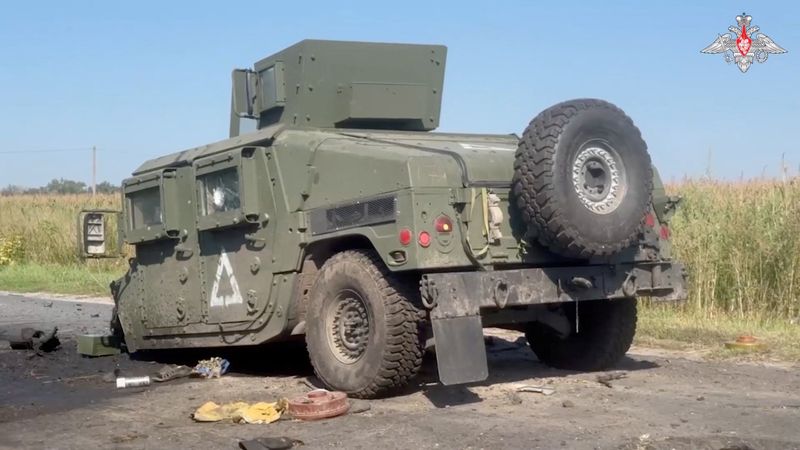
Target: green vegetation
{"points": [[46, 226], [740, 242], [63, 279], [662, 325], [60, 186]]}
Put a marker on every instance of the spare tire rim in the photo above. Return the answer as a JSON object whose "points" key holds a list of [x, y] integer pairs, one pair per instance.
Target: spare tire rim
{"points": [[348, 326], [598, 177]]}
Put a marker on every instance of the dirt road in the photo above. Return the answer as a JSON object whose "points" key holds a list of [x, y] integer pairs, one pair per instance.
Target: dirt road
{"points": [[667, 401]]}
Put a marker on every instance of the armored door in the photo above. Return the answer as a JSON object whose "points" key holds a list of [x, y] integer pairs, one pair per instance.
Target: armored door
{"points": [[235, 249], [167, 263]]}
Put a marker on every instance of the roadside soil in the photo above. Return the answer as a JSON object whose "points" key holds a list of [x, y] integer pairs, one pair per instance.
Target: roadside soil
{"points": [[666, 399]]}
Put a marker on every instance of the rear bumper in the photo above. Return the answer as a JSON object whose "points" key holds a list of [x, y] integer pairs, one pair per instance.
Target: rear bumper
{"points": [[456, 299], [464, 293]]}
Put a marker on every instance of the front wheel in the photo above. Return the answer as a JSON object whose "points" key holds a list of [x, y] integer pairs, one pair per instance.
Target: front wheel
{"points": [[363, 331], [605, 333]]}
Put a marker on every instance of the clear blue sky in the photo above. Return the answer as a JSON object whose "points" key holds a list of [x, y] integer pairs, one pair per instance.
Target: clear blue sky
{"points": [[140, 79]]}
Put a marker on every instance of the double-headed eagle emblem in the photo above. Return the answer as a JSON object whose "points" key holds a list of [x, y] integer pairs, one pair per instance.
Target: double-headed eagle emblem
{"points": [[743, 44]]}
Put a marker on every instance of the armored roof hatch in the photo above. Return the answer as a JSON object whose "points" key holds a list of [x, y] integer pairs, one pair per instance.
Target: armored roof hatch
{"points": [[336, 84]]}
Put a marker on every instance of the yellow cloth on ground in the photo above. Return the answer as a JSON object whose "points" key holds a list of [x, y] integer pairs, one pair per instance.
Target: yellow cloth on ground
{"points": [[241, 412]]}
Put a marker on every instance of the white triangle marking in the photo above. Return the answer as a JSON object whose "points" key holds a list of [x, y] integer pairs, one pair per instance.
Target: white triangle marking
{"points": [[235, 297]]}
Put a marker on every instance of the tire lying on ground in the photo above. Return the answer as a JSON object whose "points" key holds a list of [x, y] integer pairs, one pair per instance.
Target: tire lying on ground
{"points": [[605, 333], [583, 179], [363, 329]]}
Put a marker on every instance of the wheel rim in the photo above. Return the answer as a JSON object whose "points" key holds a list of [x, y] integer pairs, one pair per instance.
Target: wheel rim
{"points": [[598, 177], [348, 326]]}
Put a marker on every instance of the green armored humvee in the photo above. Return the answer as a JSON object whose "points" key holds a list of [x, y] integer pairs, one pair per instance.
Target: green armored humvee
{"points": [[343, 218]]}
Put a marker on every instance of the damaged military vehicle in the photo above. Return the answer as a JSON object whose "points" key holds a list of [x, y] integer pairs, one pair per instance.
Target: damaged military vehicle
{"points": [[344, 220]]}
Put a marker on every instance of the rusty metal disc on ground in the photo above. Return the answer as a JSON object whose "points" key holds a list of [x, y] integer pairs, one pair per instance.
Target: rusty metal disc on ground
{"points": [[745, 342], [319, 404]]}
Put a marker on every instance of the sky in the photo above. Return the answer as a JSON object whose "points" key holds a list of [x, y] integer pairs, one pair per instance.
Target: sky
{"points": [[142, 79]]}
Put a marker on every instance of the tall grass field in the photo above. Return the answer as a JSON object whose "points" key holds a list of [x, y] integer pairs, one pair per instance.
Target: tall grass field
{"points": [[739, 240]]}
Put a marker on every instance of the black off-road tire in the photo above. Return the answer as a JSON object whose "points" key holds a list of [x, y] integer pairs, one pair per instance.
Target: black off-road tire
{"points": [[392, 352], [556, 152], [606, 330]]}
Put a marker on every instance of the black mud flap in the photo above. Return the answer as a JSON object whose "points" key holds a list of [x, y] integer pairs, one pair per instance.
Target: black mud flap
{"points": [[460, 349], [457, 331]]}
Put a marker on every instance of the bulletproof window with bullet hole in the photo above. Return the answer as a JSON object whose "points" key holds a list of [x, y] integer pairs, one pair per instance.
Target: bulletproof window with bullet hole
{"points": [[220, 192]]}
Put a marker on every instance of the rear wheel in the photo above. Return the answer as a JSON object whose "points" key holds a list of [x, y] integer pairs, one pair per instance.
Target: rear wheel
{"points": [[605, 333], [363, 328]]}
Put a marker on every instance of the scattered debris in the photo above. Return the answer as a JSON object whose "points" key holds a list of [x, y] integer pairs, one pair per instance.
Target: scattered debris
{"points": [[606, 378], [172, 372], [94, 316], [37, 340], [537, 390], [568, 404], [270, 443], [319, 404], [212, 368], [99, 345], [745, 343], [241, 412], [129, 382]]}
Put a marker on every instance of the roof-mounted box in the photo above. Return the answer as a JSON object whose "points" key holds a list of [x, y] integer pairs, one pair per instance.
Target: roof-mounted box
{"points": [[334, 84]]}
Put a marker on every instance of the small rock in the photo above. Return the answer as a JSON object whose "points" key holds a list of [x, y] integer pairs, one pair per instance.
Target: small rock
{"points": [[567, 404], [95, 315], [684, 420], [48, 305], [700, 398], [359, 406]]}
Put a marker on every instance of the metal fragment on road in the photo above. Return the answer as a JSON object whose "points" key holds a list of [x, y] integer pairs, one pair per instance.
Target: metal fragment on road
{"points": [[98, 345], [606, 379], [537, 390], [129, 382]]}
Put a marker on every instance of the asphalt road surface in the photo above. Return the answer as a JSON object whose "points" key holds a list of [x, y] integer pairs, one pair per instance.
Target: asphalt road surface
{"points": [[667, 400]]}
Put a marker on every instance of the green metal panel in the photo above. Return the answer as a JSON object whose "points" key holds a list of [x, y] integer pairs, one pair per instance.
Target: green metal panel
{"points": [[169, 289], [352, 84]]}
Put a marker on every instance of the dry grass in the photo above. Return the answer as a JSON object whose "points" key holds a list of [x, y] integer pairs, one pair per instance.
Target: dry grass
{"points": [[46, 225], [741, 243]]}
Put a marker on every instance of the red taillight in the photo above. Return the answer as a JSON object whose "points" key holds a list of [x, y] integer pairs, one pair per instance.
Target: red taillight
{"points": [[424, 239], [664, 232], [650, 220], [443, 224], [405, 236]]}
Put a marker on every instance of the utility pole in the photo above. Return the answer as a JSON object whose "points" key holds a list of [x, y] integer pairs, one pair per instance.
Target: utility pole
{"points": [[94, 170]]}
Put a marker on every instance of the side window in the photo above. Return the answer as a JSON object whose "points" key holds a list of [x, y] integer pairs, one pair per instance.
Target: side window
{"points": [[227, 188], [219, 192], [145, 208]]}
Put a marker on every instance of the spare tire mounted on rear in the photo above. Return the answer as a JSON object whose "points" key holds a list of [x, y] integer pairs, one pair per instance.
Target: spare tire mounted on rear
{"points": [[583, 179]]}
